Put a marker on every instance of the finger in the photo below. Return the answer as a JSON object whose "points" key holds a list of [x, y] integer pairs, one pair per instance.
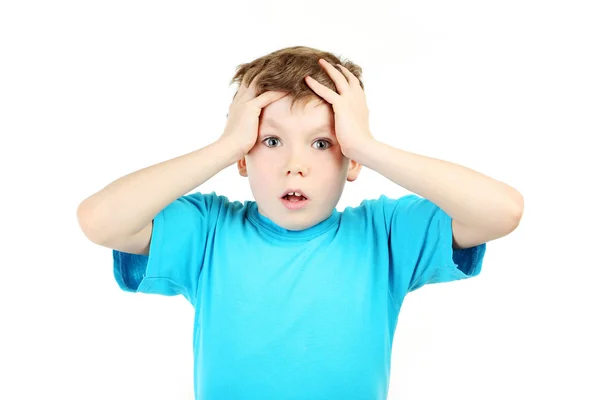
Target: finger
{"points": [[352, 79], [244, 82], [336, 76], [267, 98], [252, 84], [322, 90], [247, 90]]}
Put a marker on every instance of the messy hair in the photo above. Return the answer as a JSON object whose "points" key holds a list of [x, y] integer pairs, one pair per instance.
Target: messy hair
{"points": [[285, 69]]}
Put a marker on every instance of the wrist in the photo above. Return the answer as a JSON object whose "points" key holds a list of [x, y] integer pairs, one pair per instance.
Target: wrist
{"points": [[229, 150], [364, 152]]}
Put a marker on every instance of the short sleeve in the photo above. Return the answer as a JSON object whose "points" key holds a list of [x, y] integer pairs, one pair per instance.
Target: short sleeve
{"points": [[420, 246], [180, 233]]}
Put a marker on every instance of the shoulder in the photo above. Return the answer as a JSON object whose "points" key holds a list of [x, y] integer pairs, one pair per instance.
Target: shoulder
{"points": [[199, 212], [404, 211], [389, 205], [210, 201]]}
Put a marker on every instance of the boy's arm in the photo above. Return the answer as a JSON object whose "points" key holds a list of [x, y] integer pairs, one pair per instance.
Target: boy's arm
{"points": [[482, 209], [120, 215]]}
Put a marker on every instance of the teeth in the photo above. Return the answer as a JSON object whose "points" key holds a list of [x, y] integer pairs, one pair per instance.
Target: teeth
{"points": [[294, 194]]}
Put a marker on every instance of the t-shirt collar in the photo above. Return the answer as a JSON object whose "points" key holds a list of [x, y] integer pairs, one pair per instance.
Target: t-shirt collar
{"points": [[268, 226]]}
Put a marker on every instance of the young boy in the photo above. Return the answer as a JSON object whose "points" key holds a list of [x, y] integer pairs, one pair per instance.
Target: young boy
{"points": [[293, 299]]}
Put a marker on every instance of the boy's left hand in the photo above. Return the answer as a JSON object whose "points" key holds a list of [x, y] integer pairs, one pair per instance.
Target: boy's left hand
{"points": [[349, 106]]}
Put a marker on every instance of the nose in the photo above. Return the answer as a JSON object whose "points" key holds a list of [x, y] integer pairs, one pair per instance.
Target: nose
{"points": [[295, 168]]}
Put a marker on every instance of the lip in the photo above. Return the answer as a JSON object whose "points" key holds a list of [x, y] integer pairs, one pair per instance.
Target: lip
{"points": [[294, 205], [294, 190]]}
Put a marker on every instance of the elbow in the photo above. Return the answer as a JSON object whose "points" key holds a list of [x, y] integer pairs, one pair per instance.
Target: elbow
{"points": [[86, 223], [515, 212]]}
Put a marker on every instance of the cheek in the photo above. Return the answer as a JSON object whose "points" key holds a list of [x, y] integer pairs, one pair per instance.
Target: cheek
{"points": [[335, 161], [259, 164], [260, 172]]}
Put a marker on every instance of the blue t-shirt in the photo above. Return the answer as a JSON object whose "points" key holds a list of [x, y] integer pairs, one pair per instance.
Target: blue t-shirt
{"points": [[288, 315]]}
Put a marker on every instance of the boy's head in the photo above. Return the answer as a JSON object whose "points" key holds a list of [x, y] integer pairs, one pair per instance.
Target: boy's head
{"points": [[296, 147]]}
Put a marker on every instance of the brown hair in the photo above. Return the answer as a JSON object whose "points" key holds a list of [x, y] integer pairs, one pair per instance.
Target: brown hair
{"points": [[285, 69]]}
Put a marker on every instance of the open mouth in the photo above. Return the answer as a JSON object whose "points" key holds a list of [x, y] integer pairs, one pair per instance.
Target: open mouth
{"points": [[294, 200], [294, 197]]}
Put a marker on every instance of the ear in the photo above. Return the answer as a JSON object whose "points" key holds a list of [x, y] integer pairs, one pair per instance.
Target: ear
{"points": [[241, 164], [353, 171]]}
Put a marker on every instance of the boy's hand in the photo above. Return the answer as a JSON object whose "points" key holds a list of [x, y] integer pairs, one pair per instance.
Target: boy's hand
{"points": [[241, 129], [350, 108]]}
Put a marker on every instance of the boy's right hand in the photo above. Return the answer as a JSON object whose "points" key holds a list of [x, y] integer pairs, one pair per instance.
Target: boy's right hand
{"points": [[241, 129]]}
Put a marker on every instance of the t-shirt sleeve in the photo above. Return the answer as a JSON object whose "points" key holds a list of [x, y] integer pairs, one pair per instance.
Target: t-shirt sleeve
{"points": [[420, 246], [180, 233]]}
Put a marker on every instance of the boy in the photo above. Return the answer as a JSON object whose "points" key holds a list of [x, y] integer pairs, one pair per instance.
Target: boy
{"points": [[293, 299]]}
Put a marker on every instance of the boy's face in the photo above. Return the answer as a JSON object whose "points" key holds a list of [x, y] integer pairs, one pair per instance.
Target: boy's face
{"points": [[292, 153]]}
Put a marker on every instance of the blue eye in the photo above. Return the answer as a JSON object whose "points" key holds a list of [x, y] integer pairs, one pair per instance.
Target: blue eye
{"points": [[327, 144], [270, 138]]}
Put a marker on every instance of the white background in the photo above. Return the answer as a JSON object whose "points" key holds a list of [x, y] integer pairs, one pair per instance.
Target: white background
{"points": [[90, 91]]}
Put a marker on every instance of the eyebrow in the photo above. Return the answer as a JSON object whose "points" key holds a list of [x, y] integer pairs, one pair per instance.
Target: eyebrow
{"points": [[272, 123]]}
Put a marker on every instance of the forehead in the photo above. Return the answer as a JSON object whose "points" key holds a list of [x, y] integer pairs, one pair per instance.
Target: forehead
{"points": [[279, 115]]}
